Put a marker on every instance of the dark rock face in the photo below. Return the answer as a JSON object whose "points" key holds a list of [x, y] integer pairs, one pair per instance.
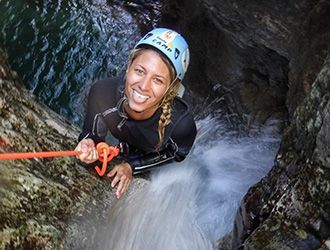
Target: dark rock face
{"points": [[45, 203], [289, 208], [246, 78], [146, 12], [265, 61], [258, 57]]}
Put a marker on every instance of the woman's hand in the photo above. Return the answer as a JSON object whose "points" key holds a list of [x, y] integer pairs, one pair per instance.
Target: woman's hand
{"points": [[88, 151], [123, 177]]}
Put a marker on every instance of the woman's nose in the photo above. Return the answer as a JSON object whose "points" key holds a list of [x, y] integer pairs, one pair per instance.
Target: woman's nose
{"points": [[145, 83]]}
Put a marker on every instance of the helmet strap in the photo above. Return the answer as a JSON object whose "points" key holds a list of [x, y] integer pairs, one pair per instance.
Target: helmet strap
{"points": [[167, 89]]}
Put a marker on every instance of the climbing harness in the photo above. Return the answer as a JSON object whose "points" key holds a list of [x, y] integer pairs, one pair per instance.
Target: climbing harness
{"points": [[105, 152]]}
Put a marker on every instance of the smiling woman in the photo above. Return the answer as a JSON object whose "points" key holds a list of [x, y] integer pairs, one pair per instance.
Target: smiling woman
{"points": [[142, 110], [147, 81]]}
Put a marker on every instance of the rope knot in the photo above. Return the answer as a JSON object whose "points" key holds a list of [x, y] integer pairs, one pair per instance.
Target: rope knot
{"points": [[106, 153]]}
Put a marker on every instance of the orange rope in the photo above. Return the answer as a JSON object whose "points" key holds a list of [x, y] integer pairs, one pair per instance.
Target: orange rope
{"points": [[14, 156], [106, 154]]}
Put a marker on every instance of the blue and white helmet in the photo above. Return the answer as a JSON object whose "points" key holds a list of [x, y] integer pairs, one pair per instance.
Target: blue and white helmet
{"points": [[172, 45]]}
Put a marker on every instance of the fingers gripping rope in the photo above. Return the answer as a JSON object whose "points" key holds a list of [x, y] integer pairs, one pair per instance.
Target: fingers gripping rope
{"points": [[106, 153]]}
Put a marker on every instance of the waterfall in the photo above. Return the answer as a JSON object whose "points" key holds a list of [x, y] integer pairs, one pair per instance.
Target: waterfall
{"points": [[189, 205], [62, 47]]}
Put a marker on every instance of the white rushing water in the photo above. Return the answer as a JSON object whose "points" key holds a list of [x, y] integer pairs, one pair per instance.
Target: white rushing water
{"points": [[190, 205]]}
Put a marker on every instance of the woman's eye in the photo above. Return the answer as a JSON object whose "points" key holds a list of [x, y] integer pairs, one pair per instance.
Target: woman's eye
{"points": [[158, 81], [138, 71]]}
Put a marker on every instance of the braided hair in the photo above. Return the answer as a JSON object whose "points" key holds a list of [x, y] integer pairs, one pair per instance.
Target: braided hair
{"points": [[166, 107]]}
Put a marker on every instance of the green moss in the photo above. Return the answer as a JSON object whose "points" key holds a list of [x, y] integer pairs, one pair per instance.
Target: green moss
{"points": [[301, 233], [31, 235]]}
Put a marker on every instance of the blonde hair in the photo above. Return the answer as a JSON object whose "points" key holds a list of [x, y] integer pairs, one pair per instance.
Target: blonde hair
{"points": [[168, 98]]}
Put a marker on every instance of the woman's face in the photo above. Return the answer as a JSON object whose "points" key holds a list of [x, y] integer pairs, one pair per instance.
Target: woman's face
{"points": [[147, 79]]}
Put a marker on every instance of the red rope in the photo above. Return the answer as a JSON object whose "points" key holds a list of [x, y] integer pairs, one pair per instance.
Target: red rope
{"points": [[27, 155], [106, 154]]}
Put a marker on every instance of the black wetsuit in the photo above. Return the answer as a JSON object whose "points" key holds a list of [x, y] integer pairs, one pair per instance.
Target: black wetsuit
{"points": [[105, 113]]}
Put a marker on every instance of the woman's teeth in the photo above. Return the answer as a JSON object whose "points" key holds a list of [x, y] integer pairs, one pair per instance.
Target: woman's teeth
{"points": [[144, 97]]}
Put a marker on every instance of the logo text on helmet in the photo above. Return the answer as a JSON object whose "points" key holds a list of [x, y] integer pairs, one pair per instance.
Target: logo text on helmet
{"points": [[162, 44]]}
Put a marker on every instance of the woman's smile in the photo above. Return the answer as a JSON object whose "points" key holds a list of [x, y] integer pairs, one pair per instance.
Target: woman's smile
{"points": [[139, 98], [147, 80]]}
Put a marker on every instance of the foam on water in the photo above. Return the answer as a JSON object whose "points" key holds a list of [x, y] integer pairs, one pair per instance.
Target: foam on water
{"points": [[190, 205]]}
